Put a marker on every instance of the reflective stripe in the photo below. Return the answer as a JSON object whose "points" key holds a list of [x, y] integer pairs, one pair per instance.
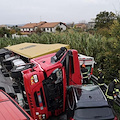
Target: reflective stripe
{"points": [[108, 96], [85, 77], [85, 73], [99, 77], [117, 90], [101, 84], [113, 92]]}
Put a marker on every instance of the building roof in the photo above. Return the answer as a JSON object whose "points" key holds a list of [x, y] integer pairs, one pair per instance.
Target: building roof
{"points": [[80, 24], [3, 26], [50, 25], [32, 25]]}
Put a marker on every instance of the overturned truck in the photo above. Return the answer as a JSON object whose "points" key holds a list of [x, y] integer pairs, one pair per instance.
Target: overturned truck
{"points": [[41, 74]]}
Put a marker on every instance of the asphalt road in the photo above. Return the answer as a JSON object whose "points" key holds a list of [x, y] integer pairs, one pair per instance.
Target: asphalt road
{"points": [[6, 82]]}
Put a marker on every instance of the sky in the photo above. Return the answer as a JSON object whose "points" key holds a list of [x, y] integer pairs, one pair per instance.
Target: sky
{"points": [[67, 11]]}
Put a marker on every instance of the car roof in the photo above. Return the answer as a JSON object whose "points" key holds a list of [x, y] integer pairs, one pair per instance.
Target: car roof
{"points": [[90, 96], [10, 110]]}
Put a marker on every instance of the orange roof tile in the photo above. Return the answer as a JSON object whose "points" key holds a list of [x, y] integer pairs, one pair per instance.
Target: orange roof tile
{"points": [[32, 25], [49, 25], [26, 33]]}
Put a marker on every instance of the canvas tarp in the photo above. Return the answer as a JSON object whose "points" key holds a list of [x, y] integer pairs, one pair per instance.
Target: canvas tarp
{"points": [[33, 50]]}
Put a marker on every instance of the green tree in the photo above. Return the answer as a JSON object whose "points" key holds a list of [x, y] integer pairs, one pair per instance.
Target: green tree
{"points": [[58, 29], [4, 31], [115, 29], [104, 19], [38, 31]]}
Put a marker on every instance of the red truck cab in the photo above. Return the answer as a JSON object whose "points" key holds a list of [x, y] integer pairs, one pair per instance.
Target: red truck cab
{"points": [[10, 109], [46, 83]]}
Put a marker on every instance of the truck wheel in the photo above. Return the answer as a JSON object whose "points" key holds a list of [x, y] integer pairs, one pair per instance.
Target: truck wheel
{"points": [[16, 71]]}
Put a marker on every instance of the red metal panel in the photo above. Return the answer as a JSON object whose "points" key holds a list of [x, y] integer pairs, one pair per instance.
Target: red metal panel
{"points": [[10, 110]]}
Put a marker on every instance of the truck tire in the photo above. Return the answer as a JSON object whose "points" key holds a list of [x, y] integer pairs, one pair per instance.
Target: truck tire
{"points": [[16, 71]]}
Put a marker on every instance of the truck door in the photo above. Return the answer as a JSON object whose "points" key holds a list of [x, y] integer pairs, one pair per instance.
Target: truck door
{"points": [[53, 87]]}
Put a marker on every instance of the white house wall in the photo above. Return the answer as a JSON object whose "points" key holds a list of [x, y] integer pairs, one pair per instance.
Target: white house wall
{"points": [[54, 29], [21, 30], [62, 26], [27, 29]]}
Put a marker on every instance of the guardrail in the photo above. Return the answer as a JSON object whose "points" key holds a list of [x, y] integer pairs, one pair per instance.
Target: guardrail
{"points": [[95, 81]]}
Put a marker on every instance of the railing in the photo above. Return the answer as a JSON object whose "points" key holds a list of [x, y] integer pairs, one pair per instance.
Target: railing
{"points": [[95, 81]]}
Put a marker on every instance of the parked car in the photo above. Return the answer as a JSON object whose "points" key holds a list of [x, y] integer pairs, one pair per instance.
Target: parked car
{"points": [[10, 109], [88, 103]]}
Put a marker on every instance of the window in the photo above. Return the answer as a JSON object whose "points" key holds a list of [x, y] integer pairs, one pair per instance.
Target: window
{"points": [[51, 29]]}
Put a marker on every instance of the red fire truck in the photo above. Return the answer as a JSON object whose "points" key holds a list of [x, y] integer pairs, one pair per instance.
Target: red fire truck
{"points": [[41, 82]]}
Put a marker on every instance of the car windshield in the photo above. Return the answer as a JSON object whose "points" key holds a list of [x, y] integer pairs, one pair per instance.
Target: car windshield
{"points": [[102, 113], [90, 87], [90, 96], [91, 104]]}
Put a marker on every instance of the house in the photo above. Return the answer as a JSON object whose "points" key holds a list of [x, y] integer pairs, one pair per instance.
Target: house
{"points": [[30, 27], [53, 26], [17, 36], [91, 25], [81, 25], [43, 26], [4, 26]]}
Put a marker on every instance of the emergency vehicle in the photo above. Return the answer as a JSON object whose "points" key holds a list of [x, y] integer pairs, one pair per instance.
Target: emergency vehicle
{"points": [[41, 82]]}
